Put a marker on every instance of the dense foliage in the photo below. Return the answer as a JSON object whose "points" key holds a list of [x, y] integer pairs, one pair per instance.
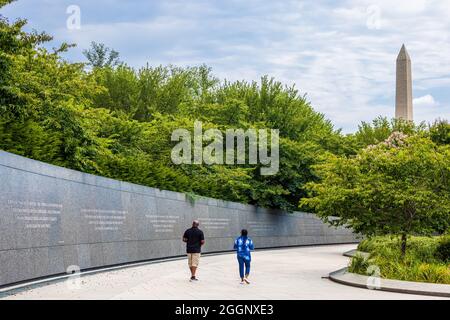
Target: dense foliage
{"points": [[443, 250], [397, 187], [106, 118], [422, 262]]}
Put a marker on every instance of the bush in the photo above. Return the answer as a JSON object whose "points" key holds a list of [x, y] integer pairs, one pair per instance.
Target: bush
{"points": [[358, 264], [443, 250], [426, 259], [433, 273], [419, 248]]}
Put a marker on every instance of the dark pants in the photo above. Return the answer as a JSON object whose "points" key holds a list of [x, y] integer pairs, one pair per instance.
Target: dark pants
{"points": [[243, 261]]}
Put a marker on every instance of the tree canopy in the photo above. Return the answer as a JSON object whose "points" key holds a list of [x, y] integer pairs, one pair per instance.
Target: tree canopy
{"points": [[398, 187], [100, 56], [104, 117]]}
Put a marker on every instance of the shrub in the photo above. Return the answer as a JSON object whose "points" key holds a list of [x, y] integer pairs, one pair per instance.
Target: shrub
{"points": [[426, 260], [433, 273], [443, 250], [358, 264]]}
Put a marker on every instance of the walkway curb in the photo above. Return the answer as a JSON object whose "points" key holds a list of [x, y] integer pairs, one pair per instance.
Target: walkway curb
{"points": [[342, 276], [356, 252]]}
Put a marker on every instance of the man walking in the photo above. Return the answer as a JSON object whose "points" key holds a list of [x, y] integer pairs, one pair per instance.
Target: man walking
{"points": [[194, 239]]}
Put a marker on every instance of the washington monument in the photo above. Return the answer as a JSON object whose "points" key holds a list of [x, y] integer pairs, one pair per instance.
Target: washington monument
{"points": [[403, 96]]}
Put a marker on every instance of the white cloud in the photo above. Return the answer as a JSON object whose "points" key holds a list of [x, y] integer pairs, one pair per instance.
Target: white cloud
{"points": [[425, 102]]}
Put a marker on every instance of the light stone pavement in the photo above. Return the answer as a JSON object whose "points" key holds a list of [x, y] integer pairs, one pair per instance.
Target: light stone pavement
{"points": [[294, 273]]}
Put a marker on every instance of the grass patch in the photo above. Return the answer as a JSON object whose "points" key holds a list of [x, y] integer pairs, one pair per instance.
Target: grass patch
{"points": [[426, 259]]}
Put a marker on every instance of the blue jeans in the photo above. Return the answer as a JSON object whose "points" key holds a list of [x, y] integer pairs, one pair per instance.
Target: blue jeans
{"points": [[243, 261]]}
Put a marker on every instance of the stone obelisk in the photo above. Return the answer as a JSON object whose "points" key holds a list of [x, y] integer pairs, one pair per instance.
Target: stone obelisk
{"points": [[403, 96]]}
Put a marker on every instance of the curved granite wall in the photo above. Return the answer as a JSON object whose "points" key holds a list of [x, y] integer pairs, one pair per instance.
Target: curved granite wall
{"points": [[52, 218]]}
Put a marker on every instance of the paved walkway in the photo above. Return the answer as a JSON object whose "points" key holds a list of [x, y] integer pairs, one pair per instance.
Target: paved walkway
{"points": [[277, 274]]}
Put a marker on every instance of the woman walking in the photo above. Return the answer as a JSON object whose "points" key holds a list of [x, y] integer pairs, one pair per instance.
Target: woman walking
{"points": [[243, 246]]}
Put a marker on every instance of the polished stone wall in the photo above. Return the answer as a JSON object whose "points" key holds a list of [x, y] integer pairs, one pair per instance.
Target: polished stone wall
{"points": [[52, 218]]}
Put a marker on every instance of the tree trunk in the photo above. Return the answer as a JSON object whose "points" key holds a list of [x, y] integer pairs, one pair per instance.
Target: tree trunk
{"points": [[404, 238]]}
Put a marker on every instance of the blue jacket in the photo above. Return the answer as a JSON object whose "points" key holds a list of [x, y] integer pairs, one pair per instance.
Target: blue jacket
{"points": [[243, 246]]}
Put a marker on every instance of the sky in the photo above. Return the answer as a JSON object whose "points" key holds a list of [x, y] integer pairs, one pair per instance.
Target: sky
{"points": [[341, 54]]}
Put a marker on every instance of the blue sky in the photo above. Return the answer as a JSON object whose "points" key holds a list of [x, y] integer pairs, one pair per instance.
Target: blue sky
{"points": [[340, 53]]}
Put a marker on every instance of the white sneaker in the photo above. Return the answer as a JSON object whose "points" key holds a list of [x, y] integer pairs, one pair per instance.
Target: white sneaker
{"points": [[246, 281], [242, 282]]}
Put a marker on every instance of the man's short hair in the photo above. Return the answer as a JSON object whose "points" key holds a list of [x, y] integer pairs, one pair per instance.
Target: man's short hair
{"points": [[195, 223], [244, 232]]}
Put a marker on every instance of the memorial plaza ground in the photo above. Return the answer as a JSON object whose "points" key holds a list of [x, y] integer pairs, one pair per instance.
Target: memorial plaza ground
{"points": [[294, 273]]}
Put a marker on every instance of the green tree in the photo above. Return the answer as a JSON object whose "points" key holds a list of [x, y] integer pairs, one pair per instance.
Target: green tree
{"points": [[100, 56], [43, 100], [380, 129], [440, 132], [14, 42], [398, 187], [120, 89], [117, 121]]}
